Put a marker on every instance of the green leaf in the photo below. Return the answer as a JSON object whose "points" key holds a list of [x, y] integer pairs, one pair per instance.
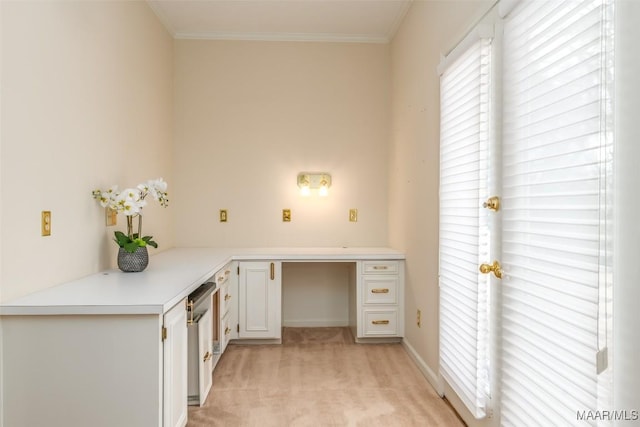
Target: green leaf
{"points": [[131, 247], [121, 238], [150, 242]]}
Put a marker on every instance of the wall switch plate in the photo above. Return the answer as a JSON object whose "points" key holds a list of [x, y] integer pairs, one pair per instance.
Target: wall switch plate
{"points": [[46, 223], [353, 215], [223, 215], [111, 216], [286, 215]]}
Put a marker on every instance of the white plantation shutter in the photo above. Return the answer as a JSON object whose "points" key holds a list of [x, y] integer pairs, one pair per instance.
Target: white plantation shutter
{"points": [[464, 132], [557, 151]]}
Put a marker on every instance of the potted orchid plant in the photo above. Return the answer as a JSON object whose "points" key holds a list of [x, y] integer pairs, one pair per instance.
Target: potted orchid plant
{"points": [[130, 202]]}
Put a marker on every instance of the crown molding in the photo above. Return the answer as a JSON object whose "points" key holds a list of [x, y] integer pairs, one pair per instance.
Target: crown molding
{"points": [[296, 37], [157, 10], [395, 25]]}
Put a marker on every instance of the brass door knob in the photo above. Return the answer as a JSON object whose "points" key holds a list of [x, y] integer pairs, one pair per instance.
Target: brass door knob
{"points": [[495, 268], [492, 203]]}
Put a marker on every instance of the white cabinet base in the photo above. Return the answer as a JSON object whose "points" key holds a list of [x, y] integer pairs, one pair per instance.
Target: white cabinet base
{"points": [[64, 370]]}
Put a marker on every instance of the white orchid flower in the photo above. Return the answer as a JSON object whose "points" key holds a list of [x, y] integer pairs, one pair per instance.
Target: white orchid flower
{"points": [[158, 190], [130, 194], [107, 197], [130, 202]]}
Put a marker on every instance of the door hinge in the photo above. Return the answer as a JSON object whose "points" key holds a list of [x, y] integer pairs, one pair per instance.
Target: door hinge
{"points": [[164, 333], [238, 270], [238, 327]]}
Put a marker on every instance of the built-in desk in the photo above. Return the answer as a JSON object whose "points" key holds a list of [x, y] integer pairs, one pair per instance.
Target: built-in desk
{"points": [[110, 349]]}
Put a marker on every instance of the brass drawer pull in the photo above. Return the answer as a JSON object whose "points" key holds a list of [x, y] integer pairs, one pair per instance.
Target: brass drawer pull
{"points": [[380, 291], [380, 322], [227, 297], [207, 356], [227, 331], [380, 267]]}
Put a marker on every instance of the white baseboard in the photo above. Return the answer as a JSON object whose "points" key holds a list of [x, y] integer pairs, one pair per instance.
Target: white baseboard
{"points": [[428, 373], [315, 323]]}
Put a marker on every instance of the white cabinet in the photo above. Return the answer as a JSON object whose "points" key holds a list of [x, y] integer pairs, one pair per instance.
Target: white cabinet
{"points": [[227, 300], [53, 342], [175, 366], [117, 369], [260, 300], [380, 299], [376, 300], [200, 356], [227, 283]]}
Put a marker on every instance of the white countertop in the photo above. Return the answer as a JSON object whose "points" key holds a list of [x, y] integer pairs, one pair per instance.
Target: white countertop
{"points": [[170, 277]]}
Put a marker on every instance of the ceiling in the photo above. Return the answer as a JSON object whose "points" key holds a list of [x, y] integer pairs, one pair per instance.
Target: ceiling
{"points": [[368, 21]]}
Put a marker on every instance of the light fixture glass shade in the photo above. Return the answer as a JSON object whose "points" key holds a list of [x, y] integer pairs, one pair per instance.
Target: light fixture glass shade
{"points": [[323, 190], [308, 181]]}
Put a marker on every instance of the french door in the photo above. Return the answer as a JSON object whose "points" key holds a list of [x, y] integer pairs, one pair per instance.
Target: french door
{"points": [[525, 216]]}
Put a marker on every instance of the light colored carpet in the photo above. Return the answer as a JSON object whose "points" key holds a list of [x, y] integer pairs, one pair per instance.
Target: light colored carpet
{"points": [[319, 377]]}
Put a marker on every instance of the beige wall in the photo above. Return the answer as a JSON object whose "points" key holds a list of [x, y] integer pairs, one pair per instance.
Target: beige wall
{"points": [[86, 102], [430, 28], [251, 115]]}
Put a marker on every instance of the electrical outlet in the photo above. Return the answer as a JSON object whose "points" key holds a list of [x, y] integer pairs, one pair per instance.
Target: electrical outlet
{"points": [[46, 223], [286, 215], [223, 215], [111, 216], [419, 318], [353, 215]]}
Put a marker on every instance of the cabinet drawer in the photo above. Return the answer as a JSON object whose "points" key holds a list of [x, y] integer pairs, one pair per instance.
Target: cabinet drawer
{"points": [[380, 290], [222, 276], [225, 332], [380, 322], [226, 299], [380, 267]]}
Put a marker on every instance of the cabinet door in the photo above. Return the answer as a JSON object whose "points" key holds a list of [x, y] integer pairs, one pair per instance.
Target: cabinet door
{"points": [[175, 367], [260, 289], [205, 357]]}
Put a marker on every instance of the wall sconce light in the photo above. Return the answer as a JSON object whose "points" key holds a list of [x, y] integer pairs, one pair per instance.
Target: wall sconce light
{"points": [[308, 181]]}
